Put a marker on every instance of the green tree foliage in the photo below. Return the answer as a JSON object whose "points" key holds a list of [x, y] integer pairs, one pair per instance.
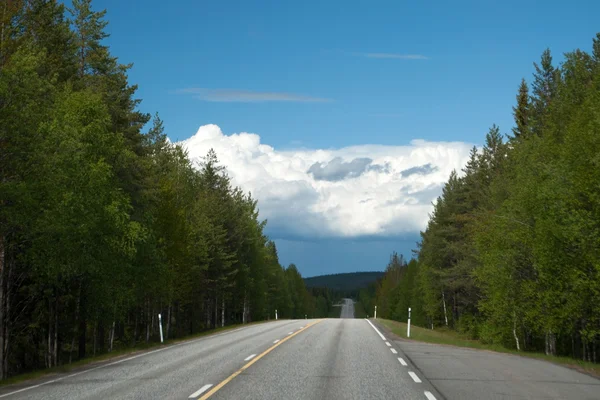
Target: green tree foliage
{"points": [[348, 283], [511, 252], [103, 226], [522, 112]]}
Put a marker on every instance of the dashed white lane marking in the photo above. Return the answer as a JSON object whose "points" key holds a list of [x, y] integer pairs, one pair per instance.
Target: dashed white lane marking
{"points": [[200, 391], [250, 357], [289, 333], [402, 361], [276, 341], [394, 351], [388, 344], [429, 395], [414, 377], [376, 330]]}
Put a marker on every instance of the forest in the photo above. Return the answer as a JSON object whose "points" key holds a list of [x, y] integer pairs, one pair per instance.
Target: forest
{"points": [[104, 223], [511, 252], [348, 282]]}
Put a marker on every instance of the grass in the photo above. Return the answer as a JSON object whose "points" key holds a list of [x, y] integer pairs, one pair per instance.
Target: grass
{"points": [[114, 354], [453, 338]]}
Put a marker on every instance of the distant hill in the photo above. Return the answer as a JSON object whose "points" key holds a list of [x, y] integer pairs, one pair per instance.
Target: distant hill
{"points": [[343, 282]]}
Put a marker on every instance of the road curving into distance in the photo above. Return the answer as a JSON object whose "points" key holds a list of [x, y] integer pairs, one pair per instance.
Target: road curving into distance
{"points": [[347, 309]]}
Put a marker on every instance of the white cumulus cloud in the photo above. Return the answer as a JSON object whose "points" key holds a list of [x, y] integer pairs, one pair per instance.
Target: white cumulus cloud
{"points": [[367, 190]]}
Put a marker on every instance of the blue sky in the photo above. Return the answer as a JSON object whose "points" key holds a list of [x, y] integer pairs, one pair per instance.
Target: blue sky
{"points": [[333, 74]]}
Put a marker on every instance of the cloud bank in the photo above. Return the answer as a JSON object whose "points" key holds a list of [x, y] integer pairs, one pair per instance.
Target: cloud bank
{"points": [[358, 191], [248, 96]]}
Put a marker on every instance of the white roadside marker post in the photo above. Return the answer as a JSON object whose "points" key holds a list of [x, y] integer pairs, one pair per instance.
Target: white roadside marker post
{"points": [[275, 314], [375, 312], [408, 327], [160, 327]]}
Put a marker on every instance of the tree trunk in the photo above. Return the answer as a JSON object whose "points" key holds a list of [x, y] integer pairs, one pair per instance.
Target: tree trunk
{"points": [[112, 336], [168, 321], [216, 319], [2, 291], [152, 322], [56, 332], [82, 320], [444, 302], [49, 340], [71, 349], [135, 328], [7, 316], [550, 345], [95, 337], [454, 311], [515, 330], [207, 313], [244, 309], [223, 311], [147, 321]]}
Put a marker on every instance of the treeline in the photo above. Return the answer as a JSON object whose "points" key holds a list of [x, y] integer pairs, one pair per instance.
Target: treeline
{"points": [[511, 253], [333, 288], [103, 226], [346, 282]]}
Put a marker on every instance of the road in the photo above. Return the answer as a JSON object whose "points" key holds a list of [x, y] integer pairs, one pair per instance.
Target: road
{"points": [[347, 309], [340, 358]]}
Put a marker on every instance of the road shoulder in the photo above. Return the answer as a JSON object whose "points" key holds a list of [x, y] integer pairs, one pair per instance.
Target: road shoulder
{"points": [[458, 372]]}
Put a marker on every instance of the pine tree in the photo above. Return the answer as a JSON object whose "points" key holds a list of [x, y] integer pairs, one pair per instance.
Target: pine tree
{"points": [[48, 29], [545, 80], [521, 112]]}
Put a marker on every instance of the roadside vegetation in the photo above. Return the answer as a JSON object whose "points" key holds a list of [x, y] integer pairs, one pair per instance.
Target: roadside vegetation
{"points": [[510, 257], [104, 223]]}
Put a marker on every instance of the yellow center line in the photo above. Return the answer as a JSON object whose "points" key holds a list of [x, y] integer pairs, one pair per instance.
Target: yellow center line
{"points": [[255, 359]]}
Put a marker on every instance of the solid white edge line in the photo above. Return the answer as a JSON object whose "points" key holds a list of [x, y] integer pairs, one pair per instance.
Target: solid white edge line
{"points": [[414, 377], [250, 357], [123, 360], [394, 351], [429, 396], [24, 389], [376, 330], [402, 361], [83, 372], [388, 344], [200, 391], [275, 341]]}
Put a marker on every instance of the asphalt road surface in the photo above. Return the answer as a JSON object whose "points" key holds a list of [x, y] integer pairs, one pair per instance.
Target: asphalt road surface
{"points": [[460, 373], [347, 309], [312, 359]]}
